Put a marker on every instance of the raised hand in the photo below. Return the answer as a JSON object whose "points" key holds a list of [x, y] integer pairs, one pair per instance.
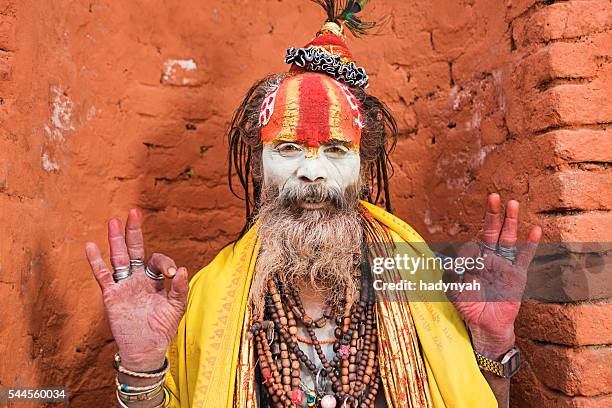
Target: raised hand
{"points": [[143, 315], [490, 312]]}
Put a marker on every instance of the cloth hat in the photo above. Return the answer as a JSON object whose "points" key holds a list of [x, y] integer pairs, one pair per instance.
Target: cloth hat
{"points": [[317, 103], [329, 54]]}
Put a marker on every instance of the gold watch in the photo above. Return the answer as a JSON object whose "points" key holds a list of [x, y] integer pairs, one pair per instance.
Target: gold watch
{"points": [[506, 368]]}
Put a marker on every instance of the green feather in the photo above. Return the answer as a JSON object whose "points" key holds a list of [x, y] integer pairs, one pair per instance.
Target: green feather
{"points": [[345, 11]]}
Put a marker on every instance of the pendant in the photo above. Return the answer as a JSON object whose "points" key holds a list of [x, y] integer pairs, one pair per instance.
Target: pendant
{"points": [[267, 374], [311, 398], [328, 401], [344, 352], [297, 397]]}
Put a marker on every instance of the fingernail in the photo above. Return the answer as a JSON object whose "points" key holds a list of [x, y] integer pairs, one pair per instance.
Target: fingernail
{"points": [[171, 271]]}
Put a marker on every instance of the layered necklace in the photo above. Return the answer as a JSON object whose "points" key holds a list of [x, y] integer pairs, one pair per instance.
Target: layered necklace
{"points": [[350, 379]]}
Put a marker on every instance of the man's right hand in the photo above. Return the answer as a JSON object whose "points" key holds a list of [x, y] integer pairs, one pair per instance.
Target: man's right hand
{"points": [[143, 315]]}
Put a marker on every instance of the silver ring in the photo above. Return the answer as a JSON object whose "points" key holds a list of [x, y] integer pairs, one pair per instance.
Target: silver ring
{"points": [[118, 276], [153, 275], [505, 250], [135, 263], [511, 258], [508, 253], [121, 272], [487, 246], [123, 268]]}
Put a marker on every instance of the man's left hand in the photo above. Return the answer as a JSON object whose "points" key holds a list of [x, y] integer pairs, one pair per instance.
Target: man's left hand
{"points": [[490, 312]]}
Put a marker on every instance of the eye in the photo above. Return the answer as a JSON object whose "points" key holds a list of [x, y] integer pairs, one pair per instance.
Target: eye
{"points": [[288, 149], [336, 151]]}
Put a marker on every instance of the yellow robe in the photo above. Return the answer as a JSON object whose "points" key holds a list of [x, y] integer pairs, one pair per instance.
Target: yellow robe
{"points": [[212, 360]]}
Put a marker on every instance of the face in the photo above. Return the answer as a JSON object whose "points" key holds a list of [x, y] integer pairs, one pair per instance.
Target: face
{"points": [[333, 164], [310, 129]]}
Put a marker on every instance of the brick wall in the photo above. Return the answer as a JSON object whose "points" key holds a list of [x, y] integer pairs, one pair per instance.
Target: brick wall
{"points": [[565, 75], [106, 105]]}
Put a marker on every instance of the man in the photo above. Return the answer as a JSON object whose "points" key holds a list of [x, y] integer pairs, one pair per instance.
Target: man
{"points": [[288, 315]]}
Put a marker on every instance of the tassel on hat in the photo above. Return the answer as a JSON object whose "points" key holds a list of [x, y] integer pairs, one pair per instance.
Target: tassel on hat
{"points": [[328, 52]]}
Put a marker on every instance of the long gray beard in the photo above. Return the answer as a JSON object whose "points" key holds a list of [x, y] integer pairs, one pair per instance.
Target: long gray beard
{"points": [[319, 247]]}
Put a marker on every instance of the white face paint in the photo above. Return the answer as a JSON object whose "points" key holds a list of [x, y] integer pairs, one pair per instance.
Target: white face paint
{"points": [[333, 164]]}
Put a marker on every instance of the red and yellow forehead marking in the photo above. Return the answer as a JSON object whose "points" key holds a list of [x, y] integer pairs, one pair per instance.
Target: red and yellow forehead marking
{"points": [[311, 109]]}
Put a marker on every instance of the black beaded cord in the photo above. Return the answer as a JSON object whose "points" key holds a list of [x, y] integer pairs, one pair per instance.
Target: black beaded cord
{"points": [[355, 378]]}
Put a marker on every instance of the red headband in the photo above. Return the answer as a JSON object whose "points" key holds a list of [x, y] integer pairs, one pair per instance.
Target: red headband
{"points": [[310, 108]]}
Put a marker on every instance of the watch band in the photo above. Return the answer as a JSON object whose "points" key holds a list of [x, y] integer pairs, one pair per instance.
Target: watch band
{"points": [[506, 368]]}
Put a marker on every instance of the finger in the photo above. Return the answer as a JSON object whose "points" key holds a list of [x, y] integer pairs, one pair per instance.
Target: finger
{"points": [[133, 235], [179, 288], [492, 222], [527, 253], [118, 250], [161, 264], [98, 266], [509, 232]]}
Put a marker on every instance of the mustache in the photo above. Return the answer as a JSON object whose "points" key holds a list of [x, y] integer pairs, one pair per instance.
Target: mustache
{"points": [[295, 191]]}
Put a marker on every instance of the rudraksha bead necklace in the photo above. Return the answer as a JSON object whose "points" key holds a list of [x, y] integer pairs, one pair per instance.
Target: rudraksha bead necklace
{"points": [[353, 371]]}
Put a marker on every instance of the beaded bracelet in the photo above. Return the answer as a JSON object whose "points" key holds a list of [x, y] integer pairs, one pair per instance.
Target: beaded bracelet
{"points": [[141, 396], [145, 374], [131, 389], [164, 404]]}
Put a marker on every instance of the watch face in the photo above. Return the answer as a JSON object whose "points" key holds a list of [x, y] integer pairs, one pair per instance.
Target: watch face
{"points": [[511, 362]]}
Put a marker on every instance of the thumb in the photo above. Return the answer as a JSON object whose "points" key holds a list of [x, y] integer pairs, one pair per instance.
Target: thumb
{"points": [[179, 288]]}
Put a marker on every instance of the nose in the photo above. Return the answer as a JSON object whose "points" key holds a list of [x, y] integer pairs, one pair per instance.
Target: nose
{"points": [[311, 171]]}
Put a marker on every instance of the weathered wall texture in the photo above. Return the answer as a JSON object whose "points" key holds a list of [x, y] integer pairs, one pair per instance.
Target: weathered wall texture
{"points": [[106, 105]]}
